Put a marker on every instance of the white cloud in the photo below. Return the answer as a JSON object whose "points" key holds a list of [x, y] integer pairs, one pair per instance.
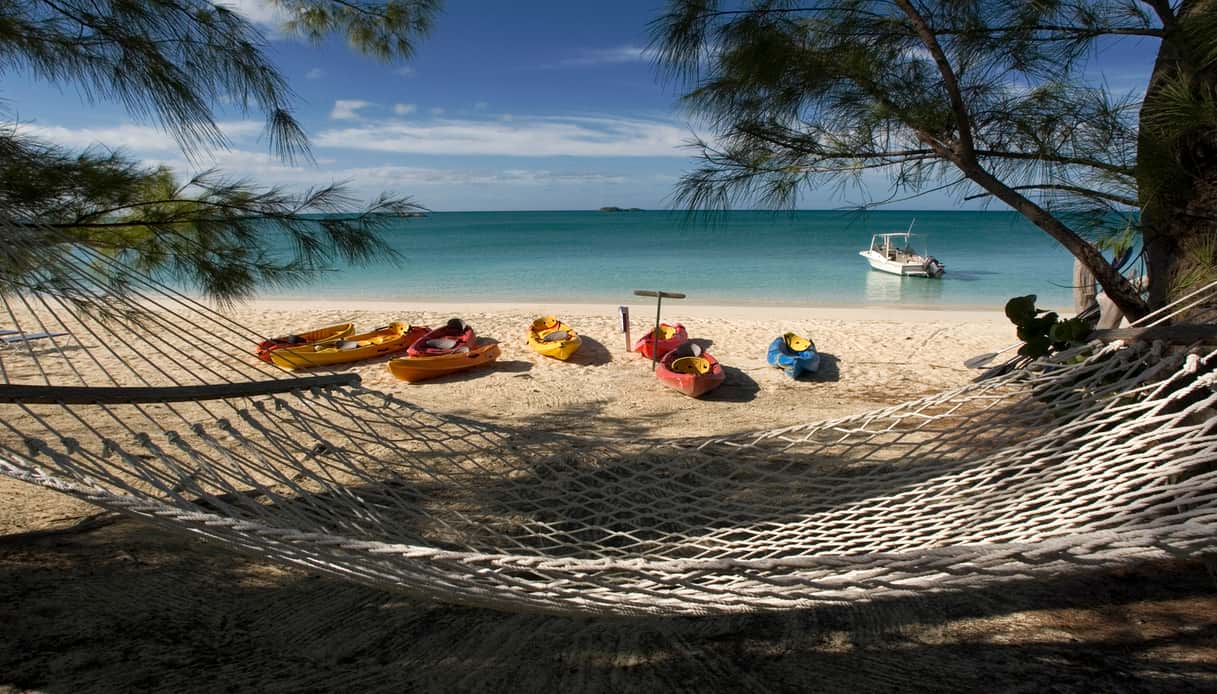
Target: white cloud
{"points": [[257, 11], [314, 74], [348, 109], [404, 109], [128, 136], [606, 56], [367, 181], [519, 137]]}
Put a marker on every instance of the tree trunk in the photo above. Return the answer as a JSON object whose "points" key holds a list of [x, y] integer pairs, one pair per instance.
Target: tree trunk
{"points": [[1177, 164], [1083, 287]]}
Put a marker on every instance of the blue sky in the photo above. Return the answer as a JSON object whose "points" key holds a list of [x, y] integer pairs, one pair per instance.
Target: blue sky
{"points": [[525, 105]]}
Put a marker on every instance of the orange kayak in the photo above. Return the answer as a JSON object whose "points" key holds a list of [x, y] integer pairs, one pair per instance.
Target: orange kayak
{"points": [[414, 369]]}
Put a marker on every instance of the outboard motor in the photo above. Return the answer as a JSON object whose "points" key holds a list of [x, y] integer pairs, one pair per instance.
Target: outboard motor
{"points": [[933, 268]]}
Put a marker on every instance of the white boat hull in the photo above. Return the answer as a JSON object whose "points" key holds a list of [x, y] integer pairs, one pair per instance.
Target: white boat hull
{"points": [[895, 267]]}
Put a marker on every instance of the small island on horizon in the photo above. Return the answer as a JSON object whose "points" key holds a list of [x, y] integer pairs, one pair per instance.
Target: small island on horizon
{"points": [[621, 209]]}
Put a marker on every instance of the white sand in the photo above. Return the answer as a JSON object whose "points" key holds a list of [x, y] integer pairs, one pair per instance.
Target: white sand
{"points": [[871, 357]]}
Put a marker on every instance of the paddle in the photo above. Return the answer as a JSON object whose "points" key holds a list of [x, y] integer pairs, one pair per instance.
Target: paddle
{"points": [[659, 297], [980, 361]]}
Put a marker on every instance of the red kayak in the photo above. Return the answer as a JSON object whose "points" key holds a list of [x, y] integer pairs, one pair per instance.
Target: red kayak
{"points": [[670, 337], [690, 370], [455, 336]]}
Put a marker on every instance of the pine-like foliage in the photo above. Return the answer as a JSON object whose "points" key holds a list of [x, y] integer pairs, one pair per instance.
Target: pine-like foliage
{"points": [[172, 62], [984, 98]]}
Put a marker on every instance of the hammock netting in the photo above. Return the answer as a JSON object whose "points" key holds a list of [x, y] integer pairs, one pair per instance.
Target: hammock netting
{"points": [[1097, 457]]}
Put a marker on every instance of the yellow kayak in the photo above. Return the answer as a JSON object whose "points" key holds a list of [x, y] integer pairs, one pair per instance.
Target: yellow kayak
{"points": [[307, 337], [421, 368], [394, 337], [553, 338]]}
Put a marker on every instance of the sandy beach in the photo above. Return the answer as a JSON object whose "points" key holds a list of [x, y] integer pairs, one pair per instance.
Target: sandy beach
{"points": [[95, 602], [871, 357]]}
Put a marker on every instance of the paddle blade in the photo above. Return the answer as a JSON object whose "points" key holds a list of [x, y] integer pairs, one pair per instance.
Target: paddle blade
{"points": [[979, 361]]}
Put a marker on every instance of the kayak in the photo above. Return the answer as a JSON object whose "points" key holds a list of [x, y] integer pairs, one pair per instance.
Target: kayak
{"points": [[414, 369], [690, 370], [794, 355], [306, 337], [450, 338], [394, 337], [670, 336], [551, 337]]}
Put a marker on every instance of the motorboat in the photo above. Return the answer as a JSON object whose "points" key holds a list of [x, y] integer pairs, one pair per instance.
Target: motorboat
{"points": [[894, 253]]}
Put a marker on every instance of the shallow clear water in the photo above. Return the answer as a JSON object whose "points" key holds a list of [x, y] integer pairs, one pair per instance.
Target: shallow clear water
{"points": [[804, 258]]}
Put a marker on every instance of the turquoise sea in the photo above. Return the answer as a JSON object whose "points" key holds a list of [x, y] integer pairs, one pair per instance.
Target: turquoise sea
{"points": [[805, 258]]}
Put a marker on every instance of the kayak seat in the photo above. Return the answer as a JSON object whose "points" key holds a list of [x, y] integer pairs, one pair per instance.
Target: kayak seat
{"points": [[797, 343], [555, 336], [441, 343], [691, 365]]}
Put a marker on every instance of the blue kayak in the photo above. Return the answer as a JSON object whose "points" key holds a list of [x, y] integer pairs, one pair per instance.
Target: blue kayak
{"points": [[794, 355]]}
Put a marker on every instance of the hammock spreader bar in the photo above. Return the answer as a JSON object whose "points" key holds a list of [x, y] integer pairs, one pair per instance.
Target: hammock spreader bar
{"points": [[76, 395]]}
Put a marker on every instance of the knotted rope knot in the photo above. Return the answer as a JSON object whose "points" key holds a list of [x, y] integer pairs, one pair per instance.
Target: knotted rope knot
{"points": [[224, 424], [143, 439], [1207, 380], [173, 437], [280, 404], [1192, 363], [72, 445], [198, 428]]}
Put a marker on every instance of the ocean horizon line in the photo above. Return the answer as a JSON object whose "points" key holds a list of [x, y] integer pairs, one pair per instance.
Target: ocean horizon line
{"points": [[629, 210]]}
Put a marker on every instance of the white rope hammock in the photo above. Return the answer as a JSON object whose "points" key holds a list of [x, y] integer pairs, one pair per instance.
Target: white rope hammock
{"points": [[1096, 458]]}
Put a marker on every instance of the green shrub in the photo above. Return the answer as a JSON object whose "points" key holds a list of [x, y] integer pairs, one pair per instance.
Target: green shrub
{"points": [[1043, 332]]}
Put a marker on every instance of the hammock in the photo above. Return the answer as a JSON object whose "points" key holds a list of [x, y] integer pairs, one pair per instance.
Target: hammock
{"points": [[1098, 457]]}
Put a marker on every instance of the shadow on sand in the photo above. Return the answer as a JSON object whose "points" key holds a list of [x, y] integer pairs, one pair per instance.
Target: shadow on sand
{"points": [[130, 607], [591, 353], [829, 371], [739, 387]]}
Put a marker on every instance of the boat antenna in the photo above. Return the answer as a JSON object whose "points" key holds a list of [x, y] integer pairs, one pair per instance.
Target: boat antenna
{"points": [[911, 226]]}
